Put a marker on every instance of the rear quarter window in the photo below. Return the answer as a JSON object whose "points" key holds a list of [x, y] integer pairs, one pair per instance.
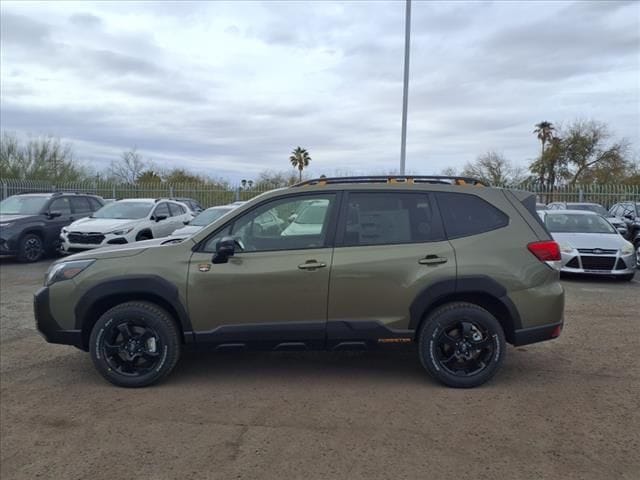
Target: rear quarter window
{"points": [[464, 215]]}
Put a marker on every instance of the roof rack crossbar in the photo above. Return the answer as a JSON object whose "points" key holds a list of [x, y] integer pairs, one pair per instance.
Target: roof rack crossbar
{"points": [[438, 179]]}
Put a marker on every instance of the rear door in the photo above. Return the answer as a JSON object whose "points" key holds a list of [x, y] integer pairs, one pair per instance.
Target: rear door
{"points": [[390, 247]]}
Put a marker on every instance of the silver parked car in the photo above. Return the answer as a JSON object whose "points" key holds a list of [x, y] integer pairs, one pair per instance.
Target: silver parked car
{"points": [[203, 219], [618, 223], [590, 244]]}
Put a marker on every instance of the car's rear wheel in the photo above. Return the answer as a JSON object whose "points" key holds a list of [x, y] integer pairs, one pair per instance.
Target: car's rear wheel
{"points": [[461, 344], [31, 248], [135, 344]]}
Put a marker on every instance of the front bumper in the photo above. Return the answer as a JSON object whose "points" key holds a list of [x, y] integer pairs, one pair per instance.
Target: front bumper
{"points": [[593, 264], [47, 325], [8, 244]]}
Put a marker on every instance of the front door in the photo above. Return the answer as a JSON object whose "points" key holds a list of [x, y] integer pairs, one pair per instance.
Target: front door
{"points": [[389, 249], [273, 292]]}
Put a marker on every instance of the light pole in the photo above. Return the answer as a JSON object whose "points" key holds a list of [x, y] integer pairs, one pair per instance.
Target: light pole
{"points": [[405, 90]]}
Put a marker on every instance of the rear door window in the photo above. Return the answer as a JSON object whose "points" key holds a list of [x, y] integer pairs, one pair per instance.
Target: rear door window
{"points": [[464, 215], [61, 205], [80, 205], [389, 218]]}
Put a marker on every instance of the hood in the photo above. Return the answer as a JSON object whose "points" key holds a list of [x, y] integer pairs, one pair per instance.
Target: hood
{"points": [[15, 218], [186, 231], [616, 221], [101, 225], [127, 250], [608, 241]]}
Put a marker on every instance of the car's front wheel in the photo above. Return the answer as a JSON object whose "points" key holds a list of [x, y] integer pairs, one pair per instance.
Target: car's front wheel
{"points": [[135, 344], [31, 248], [461, 344]]}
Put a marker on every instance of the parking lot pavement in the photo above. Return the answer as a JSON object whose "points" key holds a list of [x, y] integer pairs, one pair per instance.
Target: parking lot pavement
{"points": [[563, 409]]}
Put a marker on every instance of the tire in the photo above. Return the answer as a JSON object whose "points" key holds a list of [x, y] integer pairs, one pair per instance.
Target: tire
{"points": [[129, 357], [144, 235], [447, 343], [30, 248]]}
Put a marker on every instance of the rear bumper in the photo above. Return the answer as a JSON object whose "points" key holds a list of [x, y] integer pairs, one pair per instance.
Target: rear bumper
{"points": [[47, 325], [526, 336]]}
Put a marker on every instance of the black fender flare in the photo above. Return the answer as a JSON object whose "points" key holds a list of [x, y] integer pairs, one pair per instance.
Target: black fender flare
{"points": [[472, 284], [131, 285]]}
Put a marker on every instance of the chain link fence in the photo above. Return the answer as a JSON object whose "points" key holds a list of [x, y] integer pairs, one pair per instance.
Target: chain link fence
{"points": [[209, 195]]}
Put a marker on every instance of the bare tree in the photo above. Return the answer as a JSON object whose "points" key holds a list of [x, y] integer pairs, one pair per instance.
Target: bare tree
{"points": [[129, 167], [493, 168]]}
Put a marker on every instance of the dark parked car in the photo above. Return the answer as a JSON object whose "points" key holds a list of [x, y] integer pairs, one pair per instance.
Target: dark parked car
{"points": [[629, 212], [30, 224]]}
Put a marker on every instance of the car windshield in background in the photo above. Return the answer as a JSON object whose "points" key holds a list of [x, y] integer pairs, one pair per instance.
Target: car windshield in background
{"points": [[313, 214], [209, 216], [590, 208], [577, 223], [124, 210], [23, 205]]}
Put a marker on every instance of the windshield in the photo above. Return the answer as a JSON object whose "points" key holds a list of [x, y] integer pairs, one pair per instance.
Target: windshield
{"points": [[23, 205], [124, 210], [600, 210], [209, 216], [313, 214], [576, 223]]}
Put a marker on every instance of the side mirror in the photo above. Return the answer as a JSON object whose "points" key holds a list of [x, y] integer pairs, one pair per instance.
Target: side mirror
{"points": [[225, 248], [159, 218], [186, 222], [54, 214]]}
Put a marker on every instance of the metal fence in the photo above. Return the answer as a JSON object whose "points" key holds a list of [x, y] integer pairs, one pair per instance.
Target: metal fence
{"points": [[208, 195], [219, 194]]}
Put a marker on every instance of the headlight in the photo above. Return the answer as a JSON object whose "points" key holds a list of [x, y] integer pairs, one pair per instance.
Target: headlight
{"points": [[627, 249], [566, 247], [5, 225], [64, 230], [123, 231], [65, 271]]}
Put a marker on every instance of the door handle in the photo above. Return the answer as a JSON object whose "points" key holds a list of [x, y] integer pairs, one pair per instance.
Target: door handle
{"points": [[432, 260], [311, 265]]}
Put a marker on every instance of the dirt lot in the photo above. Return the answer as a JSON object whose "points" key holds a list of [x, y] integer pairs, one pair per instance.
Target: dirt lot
{"points": [[564, 409]]}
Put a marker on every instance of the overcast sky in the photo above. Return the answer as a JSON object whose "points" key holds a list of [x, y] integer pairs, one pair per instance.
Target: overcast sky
{"points": [[229, 89]]}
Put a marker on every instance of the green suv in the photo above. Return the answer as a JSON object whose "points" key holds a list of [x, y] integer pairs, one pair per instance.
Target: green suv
{"points": [[334, 264]]}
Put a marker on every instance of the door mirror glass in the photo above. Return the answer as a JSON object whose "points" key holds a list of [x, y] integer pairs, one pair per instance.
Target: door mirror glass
{"points": [[55, 214], [159, 218], [225, 248]]}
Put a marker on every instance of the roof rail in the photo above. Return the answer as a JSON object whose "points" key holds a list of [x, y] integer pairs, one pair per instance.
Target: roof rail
{"points": [[407, 179]]}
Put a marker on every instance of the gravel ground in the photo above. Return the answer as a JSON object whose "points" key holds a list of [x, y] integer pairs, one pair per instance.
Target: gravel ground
{"points": [[563, 409]]}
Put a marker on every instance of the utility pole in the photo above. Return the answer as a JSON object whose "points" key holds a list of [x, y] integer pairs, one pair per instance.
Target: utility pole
{"points": [[405, 91]]}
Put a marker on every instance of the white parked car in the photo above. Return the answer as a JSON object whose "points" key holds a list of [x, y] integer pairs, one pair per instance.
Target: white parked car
{"points": [[309, 220], [125, 221]]}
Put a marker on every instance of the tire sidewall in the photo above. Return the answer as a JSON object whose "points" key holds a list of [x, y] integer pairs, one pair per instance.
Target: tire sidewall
{"points": [[444, 319], [169, 342]]}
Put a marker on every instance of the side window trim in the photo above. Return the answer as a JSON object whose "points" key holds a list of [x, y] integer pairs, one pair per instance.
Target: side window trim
{"points": [[341, 224], [330, 237]]}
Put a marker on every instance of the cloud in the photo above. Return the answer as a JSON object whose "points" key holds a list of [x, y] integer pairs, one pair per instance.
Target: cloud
{"points": [[231, 88]]}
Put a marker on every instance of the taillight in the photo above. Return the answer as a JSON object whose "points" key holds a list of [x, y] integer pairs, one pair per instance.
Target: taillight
{"points": [[546, 251]]}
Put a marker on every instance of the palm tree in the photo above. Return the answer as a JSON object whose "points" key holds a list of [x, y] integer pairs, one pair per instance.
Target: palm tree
{"points": [[300, 159], [545, 132]]}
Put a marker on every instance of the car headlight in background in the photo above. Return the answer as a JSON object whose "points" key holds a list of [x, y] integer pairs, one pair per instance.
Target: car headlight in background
{"points": [[64, 230], [627, 249], [65, 271], [122, 231], [566, 247]]}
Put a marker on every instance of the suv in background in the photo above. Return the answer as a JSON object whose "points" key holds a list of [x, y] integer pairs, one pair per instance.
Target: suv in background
{"points": [[457, 269], [193, 205], [617, 223], [629, 213], [30, 224], [125, 221]]}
